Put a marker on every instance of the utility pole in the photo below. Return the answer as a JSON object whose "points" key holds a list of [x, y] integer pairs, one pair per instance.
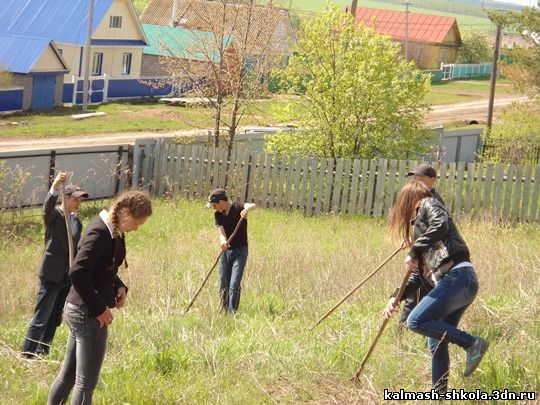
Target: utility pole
{"points": [[407, 4], [87, 67], [353, 7], [493, 79]]}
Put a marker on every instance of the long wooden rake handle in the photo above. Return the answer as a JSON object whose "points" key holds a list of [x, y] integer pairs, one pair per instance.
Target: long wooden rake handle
{"points": [[360, 284], [381, 329], [214, 266], [68, 226]]}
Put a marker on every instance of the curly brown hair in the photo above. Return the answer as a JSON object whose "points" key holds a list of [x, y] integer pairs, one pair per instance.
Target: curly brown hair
{"points": [[403, 212], [137, 203]]}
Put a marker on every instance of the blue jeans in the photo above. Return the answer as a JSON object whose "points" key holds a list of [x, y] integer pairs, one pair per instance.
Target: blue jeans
{"points": [[437, 316], [85, 352], [231, 270], [47, 316]]}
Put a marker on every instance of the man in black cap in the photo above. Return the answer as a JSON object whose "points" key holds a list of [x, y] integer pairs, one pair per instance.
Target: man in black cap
{"points": [[425, 173], [235, 252], [53, 269]]}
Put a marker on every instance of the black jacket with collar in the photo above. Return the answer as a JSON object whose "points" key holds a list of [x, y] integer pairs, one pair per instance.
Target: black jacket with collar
{"points": [[437, 243], [93, 274], [54, 264]]}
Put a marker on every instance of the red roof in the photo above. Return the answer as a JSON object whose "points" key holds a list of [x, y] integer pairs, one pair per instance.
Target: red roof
{"points": [[422, 27]]}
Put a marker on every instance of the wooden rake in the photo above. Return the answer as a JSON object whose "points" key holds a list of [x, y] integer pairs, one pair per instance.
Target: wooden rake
{"points": [[214, 266]]}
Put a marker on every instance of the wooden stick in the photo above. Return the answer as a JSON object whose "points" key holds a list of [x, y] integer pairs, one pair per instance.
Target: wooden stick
{"points": [[68, 226], [360, 284], [381, 329], [214, 266]]}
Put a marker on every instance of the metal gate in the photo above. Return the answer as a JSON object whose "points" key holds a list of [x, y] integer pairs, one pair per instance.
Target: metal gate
{"points": [[43, 92]]}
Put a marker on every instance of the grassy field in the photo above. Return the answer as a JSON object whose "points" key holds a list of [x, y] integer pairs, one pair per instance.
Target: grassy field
{"points": [[150, 116], [298, 268]]}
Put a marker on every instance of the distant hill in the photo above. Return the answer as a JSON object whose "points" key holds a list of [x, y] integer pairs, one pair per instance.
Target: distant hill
{"points": [[468, 13]]}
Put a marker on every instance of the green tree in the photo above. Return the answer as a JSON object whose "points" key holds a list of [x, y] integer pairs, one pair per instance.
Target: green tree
{"points": [[517, 139], [359, 98], [475, 48], [524, 72]]}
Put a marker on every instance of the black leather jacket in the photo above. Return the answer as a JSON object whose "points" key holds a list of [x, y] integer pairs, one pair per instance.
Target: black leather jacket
{"points": [[437, 245], [437, 241]]}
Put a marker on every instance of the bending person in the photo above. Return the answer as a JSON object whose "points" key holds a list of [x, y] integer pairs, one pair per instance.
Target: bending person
{"points": [[438, 256], [427, 174], [96, 289], [235, 253]]}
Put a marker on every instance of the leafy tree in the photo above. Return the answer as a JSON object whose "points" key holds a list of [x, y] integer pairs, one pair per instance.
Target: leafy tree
{"points": [[525, 69], [359, 97], [475, 48], [517, 139]]}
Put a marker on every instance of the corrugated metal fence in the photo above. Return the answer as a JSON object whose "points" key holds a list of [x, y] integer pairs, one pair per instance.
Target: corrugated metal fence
{"points": [[320, 185]]}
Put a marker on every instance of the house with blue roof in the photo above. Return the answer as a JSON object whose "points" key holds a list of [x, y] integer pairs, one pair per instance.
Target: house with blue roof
{"points": [[117, 36], [37, 69]]}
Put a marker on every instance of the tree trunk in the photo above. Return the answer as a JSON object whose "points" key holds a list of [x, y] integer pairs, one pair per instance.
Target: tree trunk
{"points": [[217, 119]]}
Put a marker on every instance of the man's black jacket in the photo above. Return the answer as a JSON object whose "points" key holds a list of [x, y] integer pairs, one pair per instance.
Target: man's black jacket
{"points": [[54, 264]]}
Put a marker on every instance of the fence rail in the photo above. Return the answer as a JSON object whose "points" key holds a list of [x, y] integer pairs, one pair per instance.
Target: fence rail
{"points": [[319, 185]]}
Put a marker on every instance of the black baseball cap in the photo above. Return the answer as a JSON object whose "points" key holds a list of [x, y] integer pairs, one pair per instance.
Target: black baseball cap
{"points": [[216, 196], [424, 169], [74, 191]]}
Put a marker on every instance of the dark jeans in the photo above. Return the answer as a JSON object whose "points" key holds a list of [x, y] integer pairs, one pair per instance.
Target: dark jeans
{"points": [[231, 270], [85, 352], [47, 316], [438, 315]]}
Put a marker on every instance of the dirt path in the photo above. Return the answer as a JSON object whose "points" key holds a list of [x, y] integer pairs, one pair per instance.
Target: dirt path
{"points": [[461, 112]]}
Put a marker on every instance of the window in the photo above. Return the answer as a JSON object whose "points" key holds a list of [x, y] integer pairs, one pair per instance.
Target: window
{"points": [[60, 51], [443, 55], [419, 52], [115, 21], [126, 64], [97, 64]]}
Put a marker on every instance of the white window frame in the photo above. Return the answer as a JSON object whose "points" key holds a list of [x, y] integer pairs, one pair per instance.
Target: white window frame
{"points": [[127, 58], [97, 64], [115, 21]]}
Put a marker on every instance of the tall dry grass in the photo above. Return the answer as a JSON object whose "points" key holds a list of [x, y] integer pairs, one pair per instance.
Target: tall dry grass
{"points": [[297, 269]]}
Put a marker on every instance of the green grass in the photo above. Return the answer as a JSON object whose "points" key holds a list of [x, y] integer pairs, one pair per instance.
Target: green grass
{"points": [[297, 269], [307, 7], [133, 117], [127, 117]]}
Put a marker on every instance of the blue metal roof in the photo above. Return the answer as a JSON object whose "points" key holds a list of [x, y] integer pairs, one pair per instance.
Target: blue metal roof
{"points": [[28, 52], [61, 20]]}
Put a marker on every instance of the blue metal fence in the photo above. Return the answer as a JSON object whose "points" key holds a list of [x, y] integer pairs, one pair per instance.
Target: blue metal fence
{"points": [[11, 99]]}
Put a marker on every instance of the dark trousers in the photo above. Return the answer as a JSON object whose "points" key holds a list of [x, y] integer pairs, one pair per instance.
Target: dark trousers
{"points": [[85, 351], [47, 316], [231, 271], [437, 316]]}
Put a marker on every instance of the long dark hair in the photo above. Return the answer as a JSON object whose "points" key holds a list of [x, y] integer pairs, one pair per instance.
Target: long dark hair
{"points": [[404, 210]]}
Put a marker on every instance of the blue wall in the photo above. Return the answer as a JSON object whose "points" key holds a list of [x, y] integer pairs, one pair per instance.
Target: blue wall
{"points": [[136, 88], [11, 100]]}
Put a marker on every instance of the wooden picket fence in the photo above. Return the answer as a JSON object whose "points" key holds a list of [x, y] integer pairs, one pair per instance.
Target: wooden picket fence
{"points": [[320, 185]]}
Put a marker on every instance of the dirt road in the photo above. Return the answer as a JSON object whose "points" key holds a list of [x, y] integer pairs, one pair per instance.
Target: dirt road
{"points": [[461, 112]]}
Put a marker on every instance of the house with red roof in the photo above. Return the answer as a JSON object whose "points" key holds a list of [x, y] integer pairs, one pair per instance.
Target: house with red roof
{"points": [[432, 39]]}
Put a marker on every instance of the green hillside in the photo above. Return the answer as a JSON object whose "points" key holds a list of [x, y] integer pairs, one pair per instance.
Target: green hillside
{"points": [[307, 7]]}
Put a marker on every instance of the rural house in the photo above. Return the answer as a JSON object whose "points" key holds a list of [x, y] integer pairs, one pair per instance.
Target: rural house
{"points": [[117, 36], [196, 49], [432, 40], [270, 24], [37, 70]]}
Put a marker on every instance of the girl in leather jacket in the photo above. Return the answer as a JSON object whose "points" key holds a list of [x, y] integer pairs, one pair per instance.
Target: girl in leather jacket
{"points": [[438, 256]]}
